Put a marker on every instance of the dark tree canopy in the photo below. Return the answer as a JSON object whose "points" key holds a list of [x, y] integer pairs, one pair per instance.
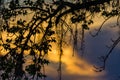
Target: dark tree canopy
{"points": [[23, 21]]}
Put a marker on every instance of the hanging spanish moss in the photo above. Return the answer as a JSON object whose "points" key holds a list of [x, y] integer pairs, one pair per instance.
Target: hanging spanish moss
{"points": [[29, 28]]}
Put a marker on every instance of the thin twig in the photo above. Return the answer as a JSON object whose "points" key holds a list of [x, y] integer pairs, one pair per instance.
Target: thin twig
{"points": [[82, 41], [98, 31], [105, 58]]}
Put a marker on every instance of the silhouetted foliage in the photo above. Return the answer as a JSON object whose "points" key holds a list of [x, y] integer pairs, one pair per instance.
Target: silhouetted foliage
{"points": [[46, 19]]}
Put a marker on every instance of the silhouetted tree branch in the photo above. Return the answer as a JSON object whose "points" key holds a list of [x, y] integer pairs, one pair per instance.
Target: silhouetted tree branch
{"points": [[57, 16]]}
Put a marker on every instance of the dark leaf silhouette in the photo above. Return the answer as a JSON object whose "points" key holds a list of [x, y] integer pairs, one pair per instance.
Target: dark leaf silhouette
{"points": [[23, 21]]}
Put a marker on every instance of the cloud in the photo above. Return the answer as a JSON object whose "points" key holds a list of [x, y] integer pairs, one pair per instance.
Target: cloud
{"points": [[72, 66], [77, 68]]}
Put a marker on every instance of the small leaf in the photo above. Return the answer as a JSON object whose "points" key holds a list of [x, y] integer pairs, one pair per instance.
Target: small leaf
{"points": [[84, 26], [73, 20], [8, 40]]}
